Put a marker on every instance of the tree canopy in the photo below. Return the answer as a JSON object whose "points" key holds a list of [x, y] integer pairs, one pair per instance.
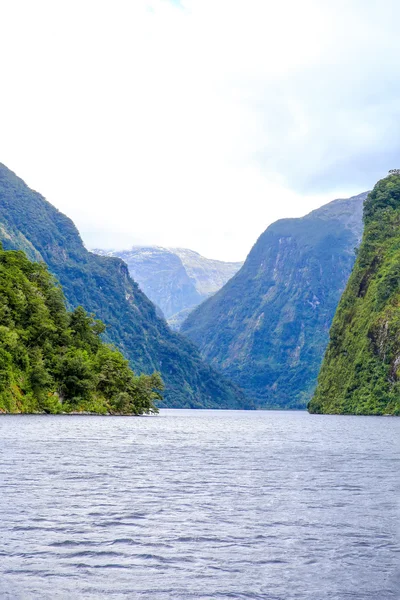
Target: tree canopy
{"points": [[52, 360]]}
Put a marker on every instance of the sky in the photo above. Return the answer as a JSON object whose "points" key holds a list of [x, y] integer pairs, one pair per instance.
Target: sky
{"points": [[197, 123]]}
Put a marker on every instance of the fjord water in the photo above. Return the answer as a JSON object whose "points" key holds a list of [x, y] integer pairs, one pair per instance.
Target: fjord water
{"points": [[200, 504]]}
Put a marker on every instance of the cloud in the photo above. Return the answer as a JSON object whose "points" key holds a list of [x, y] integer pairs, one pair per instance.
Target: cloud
{"points": [[197, 123]]}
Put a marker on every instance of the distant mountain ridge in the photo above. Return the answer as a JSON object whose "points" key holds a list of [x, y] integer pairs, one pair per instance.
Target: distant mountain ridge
{"points": [[175, 279], [267, 328], [102, 285]]}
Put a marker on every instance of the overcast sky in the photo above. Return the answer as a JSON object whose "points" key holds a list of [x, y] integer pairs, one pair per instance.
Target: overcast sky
{"points": [[197, 123]]}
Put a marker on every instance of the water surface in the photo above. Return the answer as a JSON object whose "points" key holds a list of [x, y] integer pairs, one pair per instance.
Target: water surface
{"points": [[200, 504]]}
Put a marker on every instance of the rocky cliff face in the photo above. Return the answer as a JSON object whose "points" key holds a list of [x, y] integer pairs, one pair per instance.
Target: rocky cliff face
{"points": [[175, 279], [360, 373], [267, 328], [103, 286], [207, 275]]}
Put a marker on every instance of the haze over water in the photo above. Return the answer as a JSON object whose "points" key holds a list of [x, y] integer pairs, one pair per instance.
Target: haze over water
{"points": [[200, 504]]}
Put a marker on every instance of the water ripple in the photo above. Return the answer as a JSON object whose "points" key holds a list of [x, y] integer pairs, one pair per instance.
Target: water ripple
{"points": [[202, 505]]}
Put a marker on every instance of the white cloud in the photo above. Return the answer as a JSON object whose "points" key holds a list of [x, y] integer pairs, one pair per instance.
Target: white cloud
{"points": [[197, 123]]}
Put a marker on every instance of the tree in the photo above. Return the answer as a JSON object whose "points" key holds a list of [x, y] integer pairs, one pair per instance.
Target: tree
{"points": [[52, 360]]}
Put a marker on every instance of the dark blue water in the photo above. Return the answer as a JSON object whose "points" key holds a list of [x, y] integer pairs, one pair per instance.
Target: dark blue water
{"points": [[200, 504]]}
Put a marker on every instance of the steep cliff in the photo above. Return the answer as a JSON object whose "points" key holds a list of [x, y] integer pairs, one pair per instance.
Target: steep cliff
{"points": [[267, 328], [360, 373]]}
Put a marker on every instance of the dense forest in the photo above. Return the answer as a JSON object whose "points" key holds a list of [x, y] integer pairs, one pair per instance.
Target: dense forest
{"points": [[102, 285], [52, 360], [361, 370]]}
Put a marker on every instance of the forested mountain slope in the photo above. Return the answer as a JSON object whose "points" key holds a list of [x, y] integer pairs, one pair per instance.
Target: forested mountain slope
{"points": [[268, 327], [102, 285], [360, 373]]}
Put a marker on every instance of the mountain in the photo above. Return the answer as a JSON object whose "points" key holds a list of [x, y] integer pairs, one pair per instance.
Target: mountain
{"points": [[360, 373], [175, 279], [53, 361], [267, 328], [208, 275], [102, 285]]}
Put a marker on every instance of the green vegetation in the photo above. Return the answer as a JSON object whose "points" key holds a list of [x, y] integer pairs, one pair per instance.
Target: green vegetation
{"points": [[102, 285], [361, 370], [267, 329], [53, 361]]}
